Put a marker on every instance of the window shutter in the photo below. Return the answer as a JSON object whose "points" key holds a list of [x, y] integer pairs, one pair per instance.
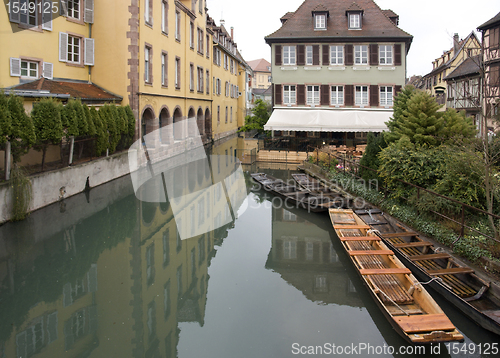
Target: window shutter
{"points": [[278, 94], [397, 54], [325, 95], [47, 15], [89, 11], [63, 8], [373, 55], [397, 89], [301, 95], [48, 70], [349, 56], [374, 100], [316, 55], [89, 52], [277, 55], [63, 47], [349, 95], [326, 55], [15, 67], [14, 16], [301, 57]]}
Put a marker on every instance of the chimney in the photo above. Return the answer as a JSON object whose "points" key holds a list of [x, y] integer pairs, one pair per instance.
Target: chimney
{"points": [[456, 40], [232, 33]]}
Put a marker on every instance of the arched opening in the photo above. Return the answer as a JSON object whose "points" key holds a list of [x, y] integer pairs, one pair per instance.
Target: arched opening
{"points": [[201, 121], [148, 212], [191, 122], [208, 123], [163, 125], [177, 124], [147, 123]]}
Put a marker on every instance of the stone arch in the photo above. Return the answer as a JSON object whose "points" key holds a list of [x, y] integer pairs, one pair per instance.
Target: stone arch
{"points": [[191, 122], [200, 120], [148, 211], [164, 121], [208, 122], [147, 121], [177, 118]]}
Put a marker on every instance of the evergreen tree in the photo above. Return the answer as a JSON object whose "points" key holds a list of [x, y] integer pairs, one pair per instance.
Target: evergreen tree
{"points": [[90, 122], [370, 157], [457, 126], [69, 120], [5, 119], [131, 121], [101, 132], [113, 127], [48, 126], [22, 133], [261, 113]]}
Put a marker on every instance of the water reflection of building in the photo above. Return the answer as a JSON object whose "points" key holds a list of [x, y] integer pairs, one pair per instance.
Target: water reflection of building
{"points": [[112, 283], [303, 254]]}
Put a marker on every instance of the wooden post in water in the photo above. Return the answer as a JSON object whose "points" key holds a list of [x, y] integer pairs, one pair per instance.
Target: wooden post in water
{"points": [[71, 150]]}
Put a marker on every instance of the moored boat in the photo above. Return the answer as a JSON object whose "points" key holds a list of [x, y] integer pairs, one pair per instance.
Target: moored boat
{"points": [[317, 187], [455, 282], [409, 308]]}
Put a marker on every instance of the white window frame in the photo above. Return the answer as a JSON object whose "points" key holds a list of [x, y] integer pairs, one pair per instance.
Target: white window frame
{"points": [[336, 55], [177, 73], [385, 55], [337, 95], [191, 77], [361, 95], [309, 55], [28, 70], [386, 96], [177, 25], [320, 22], [71, 9], [164, 16], [147, 64], [361, 54], [289, 55], [71, 47], [354, 21], [313, 95], [289, 94], [164, 69], [200, 79]]}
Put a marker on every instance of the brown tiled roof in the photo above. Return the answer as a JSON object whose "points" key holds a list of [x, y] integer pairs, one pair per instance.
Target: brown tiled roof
{"points": [[468, 67], [260, 65], [320, 8], [287, 16], [389, 13], [354, 7], [81, 90], [375, 23], [494, 21]]}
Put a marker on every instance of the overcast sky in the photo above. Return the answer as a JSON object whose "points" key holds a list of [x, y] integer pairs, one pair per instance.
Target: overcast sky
{"points": [[431, 22]]}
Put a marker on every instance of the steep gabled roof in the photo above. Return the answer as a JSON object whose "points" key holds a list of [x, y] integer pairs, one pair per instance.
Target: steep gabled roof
{"points": [[471, 66], [376, 25], [320, 8], [354, 7], [260, 65], [490, 23]]}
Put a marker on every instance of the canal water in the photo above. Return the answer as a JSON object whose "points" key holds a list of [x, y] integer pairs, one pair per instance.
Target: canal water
{"points": [[103, 274]]}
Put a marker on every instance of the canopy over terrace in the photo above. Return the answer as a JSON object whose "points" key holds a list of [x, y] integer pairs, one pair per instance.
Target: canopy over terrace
{"points": [[329, 120]]}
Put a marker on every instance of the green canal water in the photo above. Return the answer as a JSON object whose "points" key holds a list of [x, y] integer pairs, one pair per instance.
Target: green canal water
{"points": [[105, 275]]}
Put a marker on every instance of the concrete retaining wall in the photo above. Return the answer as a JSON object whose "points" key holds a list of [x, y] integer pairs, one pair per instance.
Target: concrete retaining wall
{"points": [[53, 186]]}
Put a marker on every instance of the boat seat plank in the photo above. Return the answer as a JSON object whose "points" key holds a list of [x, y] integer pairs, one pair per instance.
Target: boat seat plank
{"points": [[430, 257], [351, 227], [408, 309], [413, 244], [398, 234], [370, 252], [360, 238], [451, 271], [425, 323], [384, 271]]}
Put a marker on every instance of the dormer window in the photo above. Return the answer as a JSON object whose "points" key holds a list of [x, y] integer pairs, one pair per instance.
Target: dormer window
{"points": [[354, 17], [355, 21], [320, 21]]}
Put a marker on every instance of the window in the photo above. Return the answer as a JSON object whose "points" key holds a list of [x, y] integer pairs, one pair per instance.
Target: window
{"points": [[177, 72], [289, 94], [231, 117], [385, 96], [385, 54], [208, 46], [320, 22], [232, 66], [269, 79], [208, 82], [29, 69], [200, 41], [164, 69], [177, 25], [337, 95], [218, 122], [361, 55], [309, 55], [354, 21], [226, 62], [164, 16], [200, 79], [226, 116], [73, 8], [147, 64], [313, 95], [74, 45], [191, 77], [201, 6], [288, 55], [361, 98], [336, 55], [191, 34]]}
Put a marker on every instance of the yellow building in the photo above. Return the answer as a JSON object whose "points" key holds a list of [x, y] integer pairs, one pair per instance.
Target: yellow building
{"points": [[261, 73], [167, 59], [434, 81]]}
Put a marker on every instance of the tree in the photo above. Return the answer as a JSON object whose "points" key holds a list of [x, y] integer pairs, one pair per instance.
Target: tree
{"points": [[5, 118], [22, 132], [370, 157], [261, 113], [48, 126], [102, 138]]}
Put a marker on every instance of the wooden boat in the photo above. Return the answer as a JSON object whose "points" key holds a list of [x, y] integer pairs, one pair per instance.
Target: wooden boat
{"points": [[317, 187], [457, 283], [293, 195], [410, 309]]}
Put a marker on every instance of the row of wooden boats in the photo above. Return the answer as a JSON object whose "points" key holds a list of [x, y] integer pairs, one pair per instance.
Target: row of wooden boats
{"points": [[385, 255]]}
